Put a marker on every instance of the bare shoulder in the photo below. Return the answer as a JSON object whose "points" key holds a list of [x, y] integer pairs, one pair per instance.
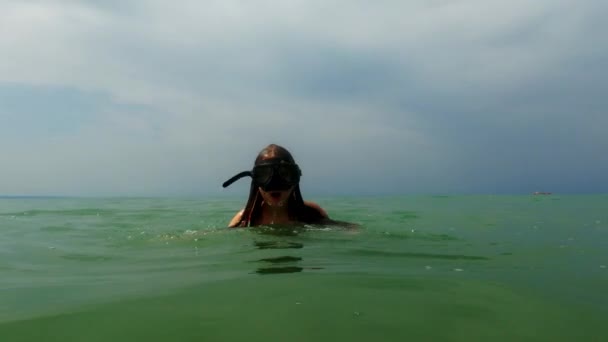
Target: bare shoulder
{"points": [[316, 207], [236, 219], [328, 221]]}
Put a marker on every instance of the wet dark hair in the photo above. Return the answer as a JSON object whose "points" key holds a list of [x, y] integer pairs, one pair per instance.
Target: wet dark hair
{"points": [[296, 209], [274, 152]]}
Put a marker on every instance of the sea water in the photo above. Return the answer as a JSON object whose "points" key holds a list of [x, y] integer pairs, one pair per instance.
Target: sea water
{"points": [[418, 268]]}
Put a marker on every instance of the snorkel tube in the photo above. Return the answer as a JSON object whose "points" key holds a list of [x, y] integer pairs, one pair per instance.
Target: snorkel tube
{"points": [[237, 177]]}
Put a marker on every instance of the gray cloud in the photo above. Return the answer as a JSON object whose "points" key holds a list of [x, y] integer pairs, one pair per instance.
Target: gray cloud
{"points": [[389, 97]]}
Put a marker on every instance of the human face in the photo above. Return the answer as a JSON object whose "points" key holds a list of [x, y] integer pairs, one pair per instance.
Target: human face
{"points": [[276, 198]]}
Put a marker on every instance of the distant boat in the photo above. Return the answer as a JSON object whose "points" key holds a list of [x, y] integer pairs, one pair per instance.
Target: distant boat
{"points": [[541, 193]]}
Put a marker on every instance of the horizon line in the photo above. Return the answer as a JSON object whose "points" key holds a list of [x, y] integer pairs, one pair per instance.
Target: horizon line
{"points": [[534, 193]]}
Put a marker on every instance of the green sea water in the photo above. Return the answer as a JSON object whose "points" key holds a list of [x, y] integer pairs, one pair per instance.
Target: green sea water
{"points": [[419, 268]]}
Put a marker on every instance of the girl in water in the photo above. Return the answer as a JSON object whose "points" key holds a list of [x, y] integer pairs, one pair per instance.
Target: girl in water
{"points": [[274, 196]]}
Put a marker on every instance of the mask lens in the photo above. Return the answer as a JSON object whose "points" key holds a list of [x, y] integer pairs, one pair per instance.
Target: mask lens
{"points": [[262, 174], [287, 173]]}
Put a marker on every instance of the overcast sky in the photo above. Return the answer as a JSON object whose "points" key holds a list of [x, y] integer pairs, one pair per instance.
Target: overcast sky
{"points": [[371, 97]]}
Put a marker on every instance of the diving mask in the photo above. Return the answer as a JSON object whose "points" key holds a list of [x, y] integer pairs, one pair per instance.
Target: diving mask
{"points": [[271, 176]]}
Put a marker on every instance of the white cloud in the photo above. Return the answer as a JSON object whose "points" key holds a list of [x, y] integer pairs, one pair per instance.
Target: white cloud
{"points": [[137, 54]]}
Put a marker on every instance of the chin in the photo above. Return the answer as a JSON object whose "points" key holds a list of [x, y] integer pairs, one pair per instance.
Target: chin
{"points": [[276, 198]]}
